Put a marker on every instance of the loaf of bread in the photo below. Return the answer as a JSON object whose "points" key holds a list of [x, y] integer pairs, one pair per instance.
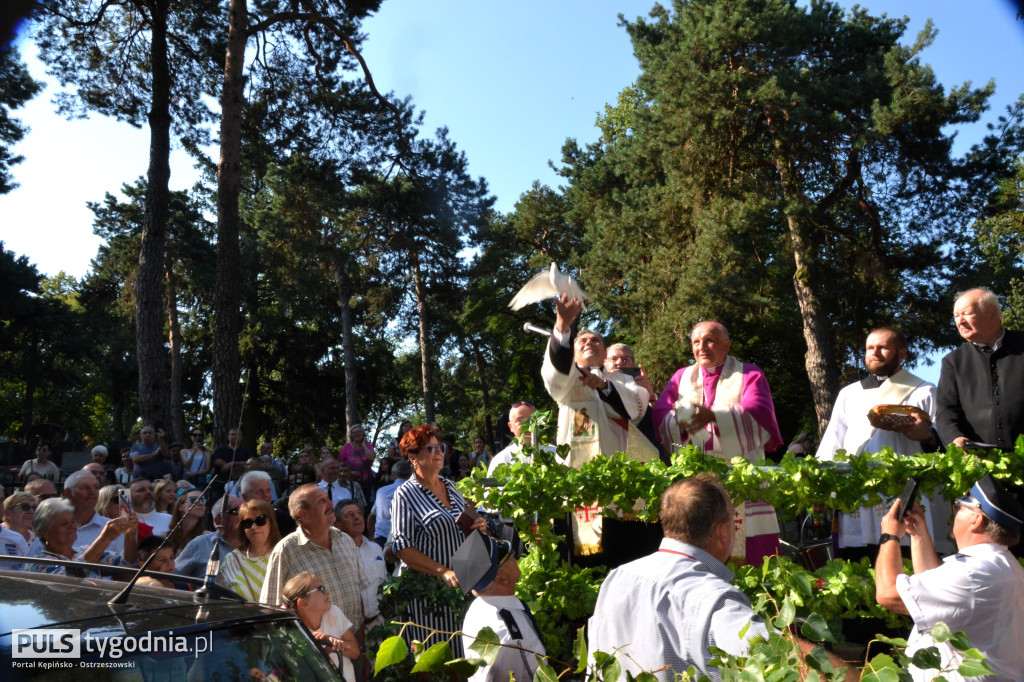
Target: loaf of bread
{"points": [[888, 417]]}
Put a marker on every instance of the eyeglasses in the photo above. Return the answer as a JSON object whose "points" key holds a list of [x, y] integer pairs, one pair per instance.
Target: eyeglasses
{"points": [[320, 588], [968, 502], [246, 524], [196, 500], [24, 506], [431, 449], [230, 512]]}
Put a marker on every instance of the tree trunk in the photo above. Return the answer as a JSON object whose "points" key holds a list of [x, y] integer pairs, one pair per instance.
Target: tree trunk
{"points": [[227, 393], [348, 351], [149, 300], [421, 307], [177, 417], [819, 360]]}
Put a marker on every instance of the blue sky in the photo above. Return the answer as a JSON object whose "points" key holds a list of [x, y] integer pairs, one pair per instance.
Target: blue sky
{"points": [[511, 81]]}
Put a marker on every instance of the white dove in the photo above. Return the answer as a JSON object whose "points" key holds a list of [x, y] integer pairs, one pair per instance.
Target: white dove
{"points": [[550, 284]]}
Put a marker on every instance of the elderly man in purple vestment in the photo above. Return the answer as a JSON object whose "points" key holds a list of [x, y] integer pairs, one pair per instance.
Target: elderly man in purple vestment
{"points": [[724, 406]]}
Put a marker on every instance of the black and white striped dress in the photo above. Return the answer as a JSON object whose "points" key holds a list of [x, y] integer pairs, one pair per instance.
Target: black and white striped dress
{"points": [[420, 521]]}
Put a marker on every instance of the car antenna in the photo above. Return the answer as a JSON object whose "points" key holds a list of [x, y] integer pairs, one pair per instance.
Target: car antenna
{"points": [[123, 595]]}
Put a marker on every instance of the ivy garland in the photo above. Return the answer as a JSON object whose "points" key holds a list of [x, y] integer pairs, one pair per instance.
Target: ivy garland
{"points": [[563, 597]]}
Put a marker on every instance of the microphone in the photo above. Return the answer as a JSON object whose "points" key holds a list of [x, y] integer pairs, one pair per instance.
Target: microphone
{"points": [[527, 327]]}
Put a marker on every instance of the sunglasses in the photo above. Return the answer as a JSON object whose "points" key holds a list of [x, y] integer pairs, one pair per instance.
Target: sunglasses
{"points": [[968, 503], [230, 512], [24, 506], [246, 524], [431, 449], [196, 500], [321, 589]]}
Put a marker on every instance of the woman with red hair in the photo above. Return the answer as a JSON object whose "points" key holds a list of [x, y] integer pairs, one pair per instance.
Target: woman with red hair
{"points": [[425, 513]]}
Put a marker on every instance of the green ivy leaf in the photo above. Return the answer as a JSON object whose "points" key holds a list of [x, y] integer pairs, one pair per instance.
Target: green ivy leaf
{"points": [[818, 660], [579, 649], [786, 614], [487, 645], [959, 640], [611, 671], [392, 650], [941, 633], [974, 665], [545, 673], [895, 641], [816, 629], [927, 658], [881, 668], [464, 667], [433, 659]]}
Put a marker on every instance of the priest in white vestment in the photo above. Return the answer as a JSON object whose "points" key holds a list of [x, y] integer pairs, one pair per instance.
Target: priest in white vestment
{"points": [[849, 429], [597, 408]]}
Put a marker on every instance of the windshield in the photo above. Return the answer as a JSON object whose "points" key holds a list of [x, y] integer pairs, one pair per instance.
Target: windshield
{"points": [[278, 650]]}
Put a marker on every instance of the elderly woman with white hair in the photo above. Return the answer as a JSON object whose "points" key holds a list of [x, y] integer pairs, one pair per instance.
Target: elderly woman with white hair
{"points": [[55, 526], [16, 534]]}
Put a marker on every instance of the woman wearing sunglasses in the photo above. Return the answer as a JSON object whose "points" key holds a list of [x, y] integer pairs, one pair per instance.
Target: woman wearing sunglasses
{"points": [[196, 459], [16, 535], [189, 508], [306, 596], [425, 517], [245, 568]]}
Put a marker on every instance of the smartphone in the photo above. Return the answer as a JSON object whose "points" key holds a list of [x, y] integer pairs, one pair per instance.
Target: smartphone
{"points": [[631, 371], [124, 502], [908, 497]]}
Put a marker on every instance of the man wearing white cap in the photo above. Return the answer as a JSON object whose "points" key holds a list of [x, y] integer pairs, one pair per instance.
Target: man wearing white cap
{"points": [[979, 590]]}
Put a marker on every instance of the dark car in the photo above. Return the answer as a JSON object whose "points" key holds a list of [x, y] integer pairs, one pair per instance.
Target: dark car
{"points": [[61, 627]]}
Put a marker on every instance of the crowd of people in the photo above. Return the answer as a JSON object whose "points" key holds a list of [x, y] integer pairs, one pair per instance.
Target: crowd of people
{"points": [[321, 533]]}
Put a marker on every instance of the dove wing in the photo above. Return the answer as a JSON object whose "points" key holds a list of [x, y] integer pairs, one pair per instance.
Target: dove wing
{"points": [[566, 284], [537, 289]]}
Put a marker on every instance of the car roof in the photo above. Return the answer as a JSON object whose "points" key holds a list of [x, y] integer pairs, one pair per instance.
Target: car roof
{"points": [[39, 600]]}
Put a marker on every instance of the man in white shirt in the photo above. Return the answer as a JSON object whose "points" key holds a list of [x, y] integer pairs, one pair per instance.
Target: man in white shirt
{"points": [[518, 415], [979, 590], [83, 492], [663, 613], [489, 568], [349, 520], [143, 502]]}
